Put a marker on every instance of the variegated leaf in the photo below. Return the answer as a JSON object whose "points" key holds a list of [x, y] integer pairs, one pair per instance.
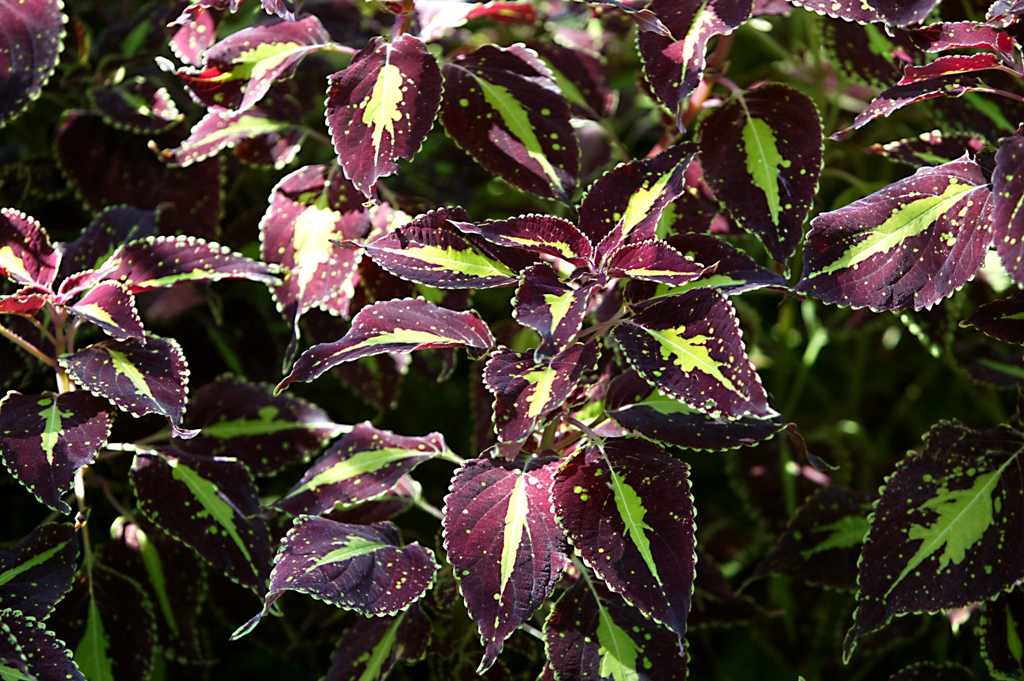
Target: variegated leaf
{"points": [[892, 12], [1007, 196], [386, 100], [30, 47], [592, 633], [624, 206], [502, 508], [363, 465], [136, 377], [656, 261], [47, 438], [627, 509], [402, 326], [545, 234], [26, 256], [25, 302], [246, 421], [907, 246], [30, 652], [580, 75], [761, 154], [110, 306], [1001, 635], [191, 40], [949, 65], [502, 105], [1002, 319], [946, 531], [735, 272], [942, 36], [356, 567], [140, 106], [369, 650], [551, 307], [871, 54], [930, 148], [526, 390], [689, 346], [113, 227], [210, 504], [37, 572]]}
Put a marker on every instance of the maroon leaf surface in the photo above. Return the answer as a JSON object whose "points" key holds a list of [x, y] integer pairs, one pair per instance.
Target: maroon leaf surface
{"points": [[113, 227], [1007, 195], [139, 105], [191, 40], [111, 307], [26, 302], [1002, 319], [371, 648], [580, 76], [37, 572], [29, 650], [871, 54], [381, 107], [943, 36], [551, 307], [893, 12], [655, 261], [502, 540], [26, 256], [930, 148], [30, 45], [735, 272], [47, 438], [545, 234], [948, 65]]}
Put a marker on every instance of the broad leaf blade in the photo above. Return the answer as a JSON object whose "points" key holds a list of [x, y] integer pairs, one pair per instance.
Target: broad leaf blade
{"points": [[110, 306], [29, 652], [502, 509], [140, 106], [1007, 195], [545, 234], [892, 12], [26, 256], [628, 512], [385, 101], [223, 129], [1001, 635], [370, 649], [1002, 319], [48, 437], [30, 47], [735, 272], [37, 572], [551, 307], [656, 261], [907, 246], [930, 148], [113, 227]]}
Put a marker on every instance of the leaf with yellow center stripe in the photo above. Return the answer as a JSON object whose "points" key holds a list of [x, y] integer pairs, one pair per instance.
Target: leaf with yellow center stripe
{"points": [[356, 567], [545, 234], [402, 326], [627, 510], [907, 246], [656, 261], [689, 346], [363, 465], [502, 105], [946, 531], [761, 154], [45, 439], [1002, 635], [36, 573], [593, 634], [551, 307], [26, 256], [503, 543], [369, 650], [526, 391], [382, 106], [110, 306], [136, 377]]}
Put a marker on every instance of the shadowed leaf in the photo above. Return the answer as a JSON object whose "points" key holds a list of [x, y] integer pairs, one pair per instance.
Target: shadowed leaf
{"points": [[37, 572], [29, 652], [30, 46], [370, 649]]}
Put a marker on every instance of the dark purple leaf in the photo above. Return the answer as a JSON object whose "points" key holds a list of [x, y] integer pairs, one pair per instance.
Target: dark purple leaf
{"points": [[545, 234], [108, 168], [371, 648], [273, 150], [26, 256], [210, 504], [580, 76], [356, 567], [140, 105], [551, 307], [823, 541], [892, 12], [1001, 635], [907, 246], [1007, 195], [504, 544], [1002, 319], [635, 527], [29, 651], [36, 573], [872, 54], [46, 438], [361, 466], [655, 261], [930, 148], [385, 101], [401, 326], [768, 186], [113, 227], [191, 40], [931, 671], [964, 34], [137, 376], [111, 307], [30, 46], [593, 634], [395, 501], [986, 364], [246, 421], [689, 347], [502, 105], [735, 272], [624, 206], [209, 87], [526, 390], [949, 65], [945, 533]]}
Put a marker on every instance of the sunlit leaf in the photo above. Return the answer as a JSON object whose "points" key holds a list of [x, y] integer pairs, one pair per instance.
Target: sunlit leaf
{"points": [[894, 12], [735, 272], [30, 45], [656, 261], [930, 148], [113, 227], [1007, 195], [949, 65], [26, 302], [37, 572], [191, 40], [26, 256], [139, 105], [110, 306], [545, 234]]}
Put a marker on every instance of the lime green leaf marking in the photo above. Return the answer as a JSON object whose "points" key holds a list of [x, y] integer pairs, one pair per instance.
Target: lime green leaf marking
{"points": [[632, 511], [560, 306], [465, 261], [29, 564], [402, 337], [381, 108], [255, 63], [314, 229], [877, 42], [964, 516], [562, 247], [52, 430], [543, 380], [847, 532], [641, 202], [690, 354], [91, 653], [714, 281], [1012, 637], [356, 465], [155, 571], [913, 219], [126, 368], [764, 163], [702, 19], [618, 651], [380, 653], [13, 264], [8, 674], [96, 312], [209, 496], [515, 525], [353, 548]]}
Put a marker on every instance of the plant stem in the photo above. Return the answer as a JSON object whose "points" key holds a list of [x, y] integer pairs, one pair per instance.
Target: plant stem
{"points": [[428, 508], [27, 346]]}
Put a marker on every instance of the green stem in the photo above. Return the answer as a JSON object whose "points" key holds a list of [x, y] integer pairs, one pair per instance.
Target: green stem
{"points": [[428, 508]]}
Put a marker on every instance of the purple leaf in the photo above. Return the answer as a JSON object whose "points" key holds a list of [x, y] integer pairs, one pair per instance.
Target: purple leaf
{"points": [[191, 40], [137, 376], [939, 37], [272, 150], [37, 572], [1007, 195], [580, 76], [371, 648], [139, 105], [48, 437], [246, 421], [949, 65], [113, 227], [892, 12], [545, 234], [502, 105], [395, 501], [504, 544], [25, 302], [210, 504], [628, 512], [986, 364], [655, 261], [907, 246], [689, 347], [939, 533], [356, 567], [735, 271], [551, 307], [363, 465], [872, 54], [593, 634], [29, 651], [111, 307], [624, 206], [26, 256], [30, 47], [768, 186], [401, 326], [930, 148], [527, 391], [1000, 632], [385, 101], [1002, 319]]}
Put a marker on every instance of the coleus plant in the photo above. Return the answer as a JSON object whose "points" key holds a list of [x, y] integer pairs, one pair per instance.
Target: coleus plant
{"points": [[621, 367]]}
